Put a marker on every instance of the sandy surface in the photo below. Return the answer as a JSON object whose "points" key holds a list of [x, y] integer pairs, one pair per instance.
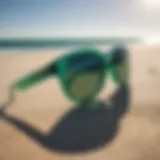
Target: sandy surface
{"points": [[138, 135]]}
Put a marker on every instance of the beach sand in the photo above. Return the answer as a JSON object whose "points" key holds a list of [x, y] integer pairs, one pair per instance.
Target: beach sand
{"points": [[43, 106]]}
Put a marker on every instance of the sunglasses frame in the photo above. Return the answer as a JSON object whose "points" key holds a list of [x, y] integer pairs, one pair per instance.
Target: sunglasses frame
{"points": [[62, 64], [58, 68]]}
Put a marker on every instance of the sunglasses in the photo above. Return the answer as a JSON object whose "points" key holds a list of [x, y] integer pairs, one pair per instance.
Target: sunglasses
{"points": [[82, 73]]}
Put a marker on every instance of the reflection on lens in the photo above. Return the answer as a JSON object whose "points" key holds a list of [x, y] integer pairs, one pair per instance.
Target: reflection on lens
{"points": [[85, 84]]}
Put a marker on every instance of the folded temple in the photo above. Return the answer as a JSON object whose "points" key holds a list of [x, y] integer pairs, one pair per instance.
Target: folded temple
{"points": [[35, 77]]}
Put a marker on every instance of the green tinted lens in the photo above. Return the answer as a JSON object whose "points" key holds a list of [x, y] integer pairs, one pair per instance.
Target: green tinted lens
{"points": [[85, 84], [84, 76]]}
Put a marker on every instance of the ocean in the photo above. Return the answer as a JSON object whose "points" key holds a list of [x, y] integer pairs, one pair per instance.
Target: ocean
{"points": [[60, 45]]}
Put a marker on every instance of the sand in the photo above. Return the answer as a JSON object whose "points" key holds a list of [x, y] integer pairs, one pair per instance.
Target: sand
{"points": [[45, 107]]}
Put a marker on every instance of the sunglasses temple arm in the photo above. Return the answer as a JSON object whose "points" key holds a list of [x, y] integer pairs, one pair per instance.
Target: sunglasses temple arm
{"points": [[35, 77]]}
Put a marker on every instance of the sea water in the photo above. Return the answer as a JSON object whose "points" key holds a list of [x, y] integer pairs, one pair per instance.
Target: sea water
{"points": [[9, 46]]}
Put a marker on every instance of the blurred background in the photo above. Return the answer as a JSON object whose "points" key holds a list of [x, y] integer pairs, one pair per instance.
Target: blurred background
{"points": [[34, 32], [59, 19]]}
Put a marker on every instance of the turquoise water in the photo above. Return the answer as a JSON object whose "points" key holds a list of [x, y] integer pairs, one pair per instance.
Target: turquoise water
{"points": [[58, 43]]}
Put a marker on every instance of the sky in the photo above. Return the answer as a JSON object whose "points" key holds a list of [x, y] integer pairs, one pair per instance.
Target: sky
{"points": [[79, 18]]}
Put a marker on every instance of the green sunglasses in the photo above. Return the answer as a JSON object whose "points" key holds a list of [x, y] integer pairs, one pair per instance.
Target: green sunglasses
{"points": [[82, 73]]}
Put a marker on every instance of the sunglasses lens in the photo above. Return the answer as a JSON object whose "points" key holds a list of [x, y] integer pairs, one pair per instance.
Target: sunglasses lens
{"points": [[121, 65], [85, 73], [84, 85]]}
